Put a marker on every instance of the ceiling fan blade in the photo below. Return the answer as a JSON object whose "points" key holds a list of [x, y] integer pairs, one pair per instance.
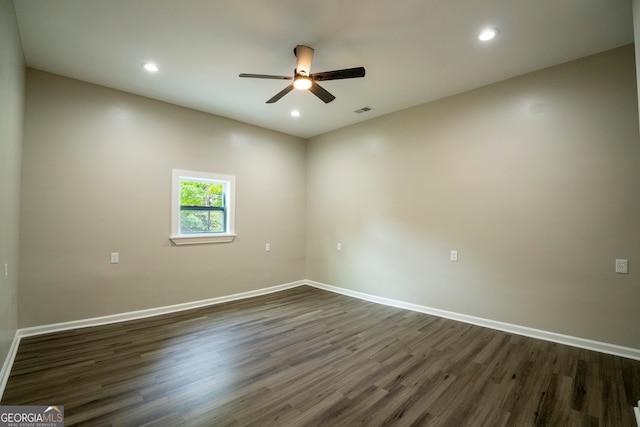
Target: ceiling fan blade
{"points": [[265, 76], [321, 93], [304, 56], [280, 94], [348, 73]]}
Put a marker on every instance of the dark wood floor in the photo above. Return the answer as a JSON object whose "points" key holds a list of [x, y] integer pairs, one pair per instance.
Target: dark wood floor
{"points": [[309, 357]]}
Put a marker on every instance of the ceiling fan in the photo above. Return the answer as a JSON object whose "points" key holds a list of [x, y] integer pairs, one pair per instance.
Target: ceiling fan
{"points": [[303, 79]]}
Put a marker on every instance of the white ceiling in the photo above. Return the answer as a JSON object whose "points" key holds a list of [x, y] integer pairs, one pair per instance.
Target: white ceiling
{"points": [[414, 51]]}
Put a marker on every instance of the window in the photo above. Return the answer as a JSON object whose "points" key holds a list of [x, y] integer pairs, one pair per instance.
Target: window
{"points": [[202, 207]]}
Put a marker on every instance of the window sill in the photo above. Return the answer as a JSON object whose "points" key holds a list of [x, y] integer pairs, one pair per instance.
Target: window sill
{"points": [[202, 239]]}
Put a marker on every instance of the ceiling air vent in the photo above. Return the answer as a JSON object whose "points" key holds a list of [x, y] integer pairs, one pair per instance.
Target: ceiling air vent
{"points": [[363, 110]]}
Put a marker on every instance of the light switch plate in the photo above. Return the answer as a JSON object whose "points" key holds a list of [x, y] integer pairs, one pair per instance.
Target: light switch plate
{"points": [[622, 266]]}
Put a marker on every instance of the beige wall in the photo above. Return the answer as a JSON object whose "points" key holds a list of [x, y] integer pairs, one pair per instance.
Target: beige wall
{"points": [[96, 180], [534, 180], [636, 36], [11, 117]]}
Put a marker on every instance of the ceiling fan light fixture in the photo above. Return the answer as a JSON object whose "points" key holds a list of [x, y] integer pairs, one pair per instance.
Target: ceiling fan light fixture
{"points": [[302, 83]]}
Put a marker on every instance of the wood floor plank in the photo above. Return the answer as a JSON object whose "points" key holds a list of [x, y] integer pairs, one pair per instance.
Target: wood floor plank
{"points": [[307, 357]]}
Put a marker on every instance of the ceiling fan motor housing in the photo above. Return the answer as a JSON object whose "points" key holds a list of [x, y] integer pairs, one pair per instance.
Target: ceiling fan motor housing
{"points": [[304, 55]]}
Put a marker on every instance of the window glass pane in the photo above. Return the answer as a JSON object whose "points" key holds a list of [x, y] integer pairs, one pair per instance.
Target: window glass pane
{"points": [[201, 221], [207, 200], [197, 193]]}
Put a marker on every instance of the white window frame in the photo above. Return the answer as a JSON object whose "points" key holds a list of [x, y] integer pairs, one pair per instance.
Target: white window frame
{"points": [[230, 200]]}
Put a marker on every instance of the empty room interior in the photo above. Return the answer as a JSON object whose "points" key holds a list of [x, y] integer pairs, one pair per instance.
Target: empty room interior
{"points": [[441, 229]]}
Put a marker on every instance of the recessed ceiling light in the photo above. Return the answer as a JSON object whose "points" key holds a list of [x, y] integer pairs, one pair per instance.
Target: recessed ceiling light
{"points": [[487, 34], [150, 66], [295, 113]]}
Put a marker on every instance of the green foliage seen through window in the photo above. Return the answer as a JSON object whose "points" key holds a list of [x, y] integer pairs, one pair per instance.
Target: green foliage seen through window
{"points": [[193, 193], [200, 194]]}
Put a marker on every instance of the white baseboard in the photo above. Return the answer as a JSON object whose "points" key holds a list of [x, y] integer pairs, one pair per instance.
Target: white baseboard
{"points": [[8, 362], [616, 350], [613, 349], [141, 314]]}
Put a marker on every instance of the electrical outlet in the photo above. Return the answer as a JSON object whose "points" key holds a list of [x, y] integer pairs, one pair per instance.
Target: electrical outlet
{"points": [[622, 266], [454, 256], [115, 257]]}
